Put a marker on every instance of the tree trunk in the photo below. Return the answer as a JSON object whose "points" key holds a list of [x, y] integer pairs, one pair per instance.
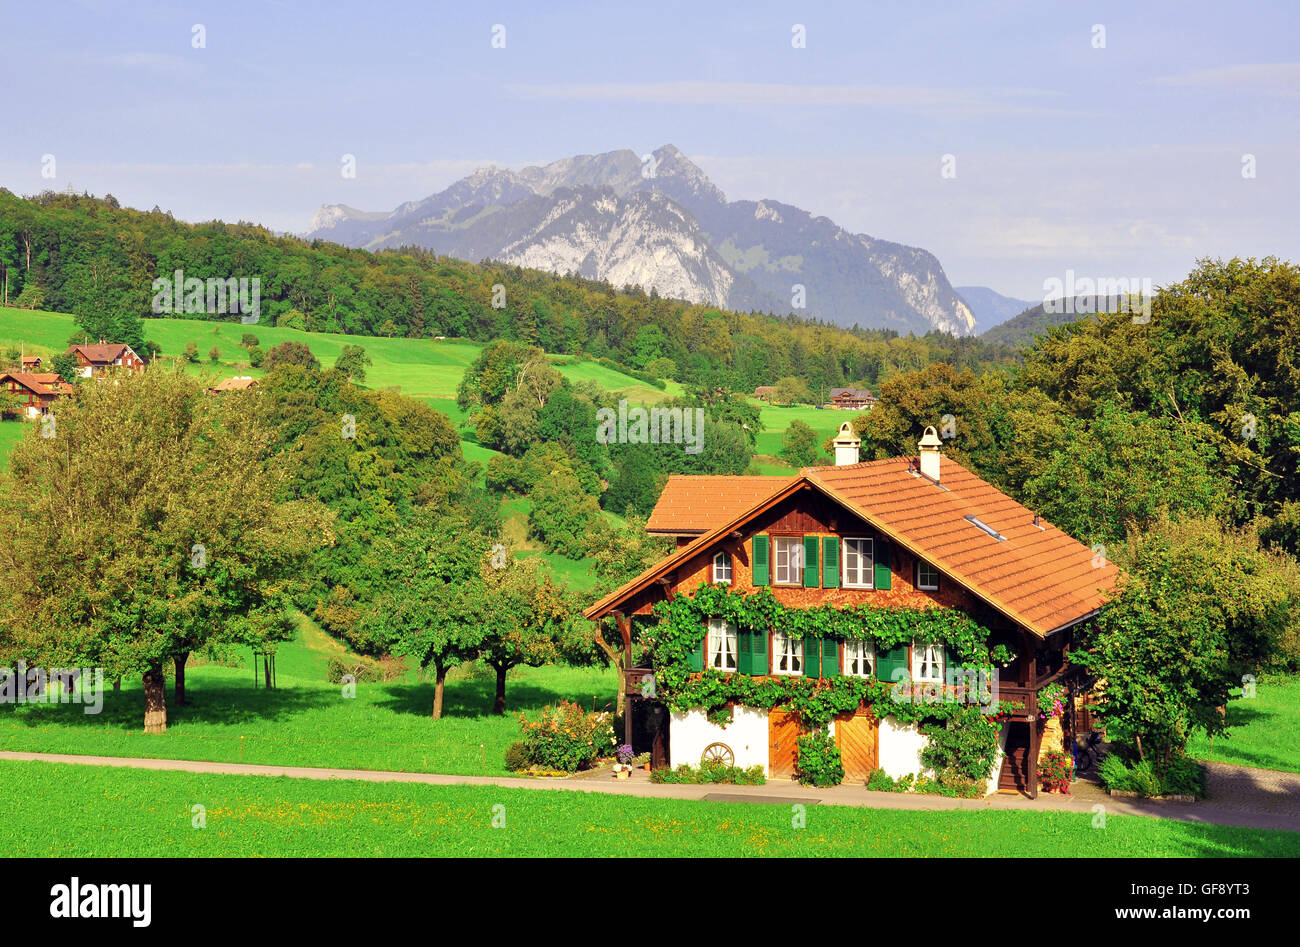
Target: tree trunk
{"points": [[616, 657], [155, 700], [117, 684], [499, 705], [440, 678], [179, 685], [266, 669]]}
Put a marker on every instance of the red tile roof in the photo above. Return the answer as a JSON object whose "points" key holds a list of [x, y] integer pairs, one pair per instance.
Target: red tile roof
{"points": [[101, 354], [694, 504], [1036, 575], [42, 383]]}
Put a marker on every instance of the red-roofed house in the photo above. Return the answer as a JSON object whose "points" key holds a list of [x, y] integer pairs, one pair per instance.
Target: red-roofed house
{"points": [[35, 391], [238, 383], [97, 359], [914, 533]]}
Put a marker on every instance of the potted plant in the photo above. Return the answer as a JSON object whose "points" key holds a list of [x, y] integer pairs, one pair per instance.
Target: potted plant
{"points": [[624, 755], [642, 760]]}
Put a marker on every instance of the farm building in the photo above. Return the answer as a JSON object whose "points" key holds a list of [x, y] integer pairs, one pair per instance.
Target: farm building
{"points": [[97, 359], [238, 383], [35, 391], [852, 399], [922, 542]]}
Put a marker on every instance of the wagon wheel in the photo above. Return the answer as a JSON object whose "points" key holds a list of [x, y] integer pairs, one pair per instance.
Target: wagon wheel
{"points": [[718, 753]]}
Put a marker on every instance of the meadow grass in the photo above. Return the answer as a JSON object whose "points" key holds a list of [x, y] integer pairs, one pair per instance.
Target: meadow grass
{"points": [[53, 809], [307, 721], [1263, 729]]}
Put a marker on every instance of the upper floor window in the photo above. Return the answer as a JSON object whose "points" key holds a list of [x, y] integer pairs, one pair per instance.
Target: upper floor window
{"points": [[787, 654], [721, 649], [927, 663], [858, 557], [788, 560], [722, 569], [859, 658], [927, 576]]}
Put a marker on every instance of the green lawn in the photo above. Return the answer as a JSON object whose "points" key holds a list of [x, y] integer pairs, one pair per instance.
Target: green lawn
{"points": [[1264, 730], [307, 721], [51, 809], [776, 420]]}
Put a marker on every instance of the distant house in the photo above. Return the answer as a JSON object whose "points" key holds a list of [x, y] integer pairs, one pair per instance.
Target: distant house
{"points": [[238, 383], [31, 363], [765, 392], [104, 356], [852, 399], [35, 391]]}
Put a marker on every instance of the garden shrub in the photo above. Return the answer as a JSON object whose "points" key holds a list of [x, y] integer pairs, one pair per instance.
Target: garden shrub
{"points": [[566, 737], [880, 781], [517, 757], [819, 762], [960, 753], [1183, 777], [711, 771], [1055, 770]]}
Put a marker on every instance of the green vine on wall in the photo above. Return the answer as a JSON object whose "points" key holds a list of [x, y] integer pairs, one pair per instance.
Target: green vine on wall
{"points": [[817, 702]]}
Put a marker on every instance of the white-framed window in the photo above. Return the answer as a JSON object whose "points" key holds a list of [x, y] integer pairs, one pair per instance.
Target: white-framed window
{"points": [[927, 576], [927, 662], [787, 557], [722, 648], [858, 564], [722, 569], [859, 658], [787, 654]]}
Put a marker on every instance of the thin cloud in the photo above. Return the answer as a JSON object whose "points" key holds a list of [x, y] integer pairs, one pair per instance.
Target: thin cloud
{"points": [[914, 98], [1279, 78]]}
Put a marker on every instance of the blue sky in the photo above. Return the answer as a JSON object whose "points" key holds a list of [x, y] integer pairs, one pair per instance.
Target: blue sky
{"points": [[1117, 161]]}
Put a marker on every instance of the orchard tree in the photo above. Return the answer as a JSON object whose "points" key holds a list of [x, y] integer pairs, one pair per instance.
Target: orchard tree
{"points": [[353, 362], [147, 525]]}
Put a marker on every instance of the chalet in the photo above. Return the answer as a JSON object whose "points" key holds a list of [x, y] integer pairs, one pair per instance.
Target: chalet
{"points": [[238, 383], [97, 359], [908, 533], [852, 399], [35, 391], [31, 363]]}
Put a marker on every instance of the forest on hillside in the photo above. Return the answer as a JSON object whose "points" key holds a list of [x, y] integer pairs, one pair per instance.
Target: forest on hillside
{"points": [[97, 260]]}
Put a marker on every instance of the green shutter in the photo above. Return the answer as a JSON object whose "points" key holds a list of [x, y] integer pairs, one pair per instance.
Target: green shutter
{"points": [[697, 656], [830, 562], [950, 660], [884, 578], [761, 561], [758, 659], [889, 662], [812, 657], [811, 561], [743, 651], [830, 657]]}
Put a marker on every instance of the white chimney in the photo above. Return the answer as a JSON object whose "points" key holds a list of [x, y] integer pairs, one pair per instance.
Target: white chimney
{"points": [[846, 445], [929, 445]]}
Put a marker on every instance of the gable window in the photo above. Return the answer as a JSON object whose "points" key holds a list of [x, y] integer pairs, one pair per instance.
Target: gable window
{"points": [[721, 649], [927, 663], [787, 654], [788, 560], [859, 658], [927, 576], [722, 569], [858, 558]]}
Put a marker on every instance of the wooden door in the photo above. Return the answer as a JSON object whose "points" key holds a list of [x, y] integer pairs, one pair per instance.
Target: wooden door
{"points": [[782, 731], [858, 737], [1015, 765]]}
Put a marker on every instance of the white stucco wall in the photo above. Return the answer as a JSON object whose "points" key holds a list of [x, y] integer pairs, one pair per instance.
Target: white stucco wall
{"points": [[997, 760], [690, 732], [900, 747]]}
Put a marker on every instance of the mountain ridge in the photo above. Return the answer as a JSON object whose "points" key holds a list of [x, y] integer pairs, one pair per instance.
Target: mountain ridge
{"points": [[588, 214]]}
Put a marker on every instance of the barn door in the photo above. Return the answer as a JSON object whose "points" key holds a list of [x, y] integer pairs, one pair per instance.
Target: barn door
{"points": [[857, 735], [782, 732]]}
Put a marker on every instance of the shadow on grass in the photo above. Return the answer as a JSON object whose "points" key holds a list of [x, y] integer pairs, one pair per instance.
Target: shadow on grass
{"points": [[1203, 840], [474, 697], [216, 702]]}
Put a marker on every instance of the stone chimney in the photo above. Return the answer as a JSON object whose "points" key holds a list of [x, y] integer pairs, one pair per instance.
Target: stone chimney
{"points": [[929, 445], [846, 445]]}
